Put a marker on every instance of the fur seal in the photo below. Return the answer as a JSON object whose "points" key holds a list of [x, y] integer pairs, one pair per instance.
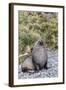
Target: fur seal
{"points": [[39, 55], [27, 65]]}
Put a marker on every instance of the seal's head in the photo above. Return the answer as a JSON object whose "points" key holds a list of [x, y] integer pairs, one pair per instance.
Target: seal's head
{"points": [[39, 43]]}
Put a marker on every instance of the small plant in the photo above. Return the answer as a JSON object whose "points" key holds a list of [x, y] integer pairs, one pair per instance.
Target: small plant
{"points": [[35, 25]]}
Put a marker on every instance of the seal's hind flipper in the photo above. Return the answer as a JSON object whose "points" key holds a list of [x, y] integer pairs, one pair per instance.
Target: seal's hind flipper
{"points": [[24, 69], [45, 66]]}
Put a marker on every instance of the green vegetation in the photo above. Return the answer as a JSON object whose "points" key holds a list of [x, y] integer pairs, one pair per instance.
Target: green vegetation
{"points": [[35, 25]]}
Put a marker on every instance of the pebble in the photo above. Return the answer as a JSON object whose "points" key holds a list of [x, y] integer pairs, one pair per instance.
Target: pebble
{"points": [[52, 71]]}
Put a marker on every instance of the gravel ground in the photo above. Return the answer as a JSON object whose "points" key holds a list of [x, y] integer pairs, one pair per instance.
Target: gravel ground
{"points": [[52, 70]]}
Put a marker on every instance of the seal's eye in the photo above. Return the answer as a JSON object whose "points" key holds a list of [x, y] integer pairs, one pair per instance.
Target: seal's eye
{"points": [[41, 42]]}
